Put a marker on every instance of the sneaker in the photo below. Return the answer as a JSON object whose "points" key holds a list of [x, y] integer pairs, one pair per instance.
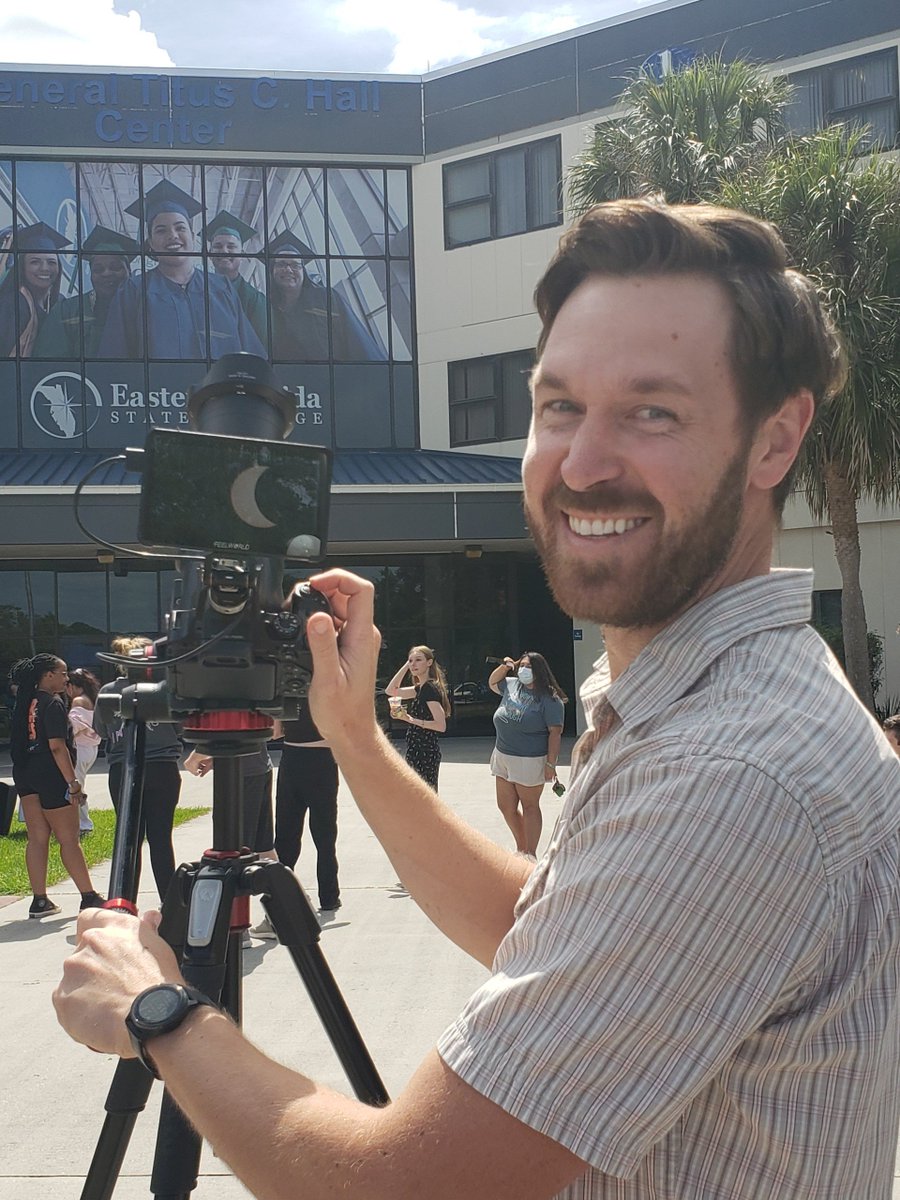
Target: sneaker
{"points": [[264, 929], [91, 900], [42, 906]]}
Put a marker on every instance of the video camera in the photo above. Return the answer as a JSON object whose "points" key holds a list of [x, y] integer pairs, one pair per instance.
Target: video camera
{"points": [[246, 502]]}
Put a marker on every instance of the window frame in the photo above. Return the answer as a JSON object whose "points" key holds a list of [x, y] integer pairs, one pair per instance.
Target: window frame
{"points": [[490, 197], [496, 400], [844, 115]]}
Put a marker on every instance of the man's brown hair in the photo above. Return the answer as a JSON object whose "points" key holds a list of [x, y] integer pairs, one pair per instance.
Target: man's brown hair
{"points": [[781, 337]]}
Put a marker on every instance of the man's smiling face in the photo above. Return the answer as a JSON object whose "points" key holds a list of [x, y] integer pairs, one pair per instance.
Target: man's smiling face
{"points": [[636, 466]]}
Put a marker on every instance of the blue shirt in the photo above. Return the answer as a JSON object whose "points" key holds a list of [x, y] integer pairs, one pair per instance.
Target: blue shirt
{"points": [[523, 720]]}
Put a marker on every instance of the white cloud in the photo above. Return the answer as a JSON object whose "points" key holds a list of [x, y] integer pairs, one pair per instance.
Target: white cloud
{"points": [[88, 32], [400, 36], [434, 33]]}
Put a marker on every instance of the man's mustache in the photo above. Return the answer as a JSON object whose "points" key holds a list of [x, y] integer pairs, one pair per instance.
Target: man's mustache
{"points": [[608, 499]]}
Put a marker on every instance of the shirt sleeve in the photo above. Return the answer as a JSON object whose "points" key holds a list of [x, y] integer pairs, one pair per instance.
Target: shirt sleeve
{"points": [[81, 720], [554, 711], [682, 905], [56, 719], [102, 724]]}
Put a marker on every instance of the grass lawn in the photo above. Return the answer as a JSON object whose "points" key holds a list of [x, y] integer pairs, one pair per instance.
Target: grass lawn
{"points": [[97, 847]]}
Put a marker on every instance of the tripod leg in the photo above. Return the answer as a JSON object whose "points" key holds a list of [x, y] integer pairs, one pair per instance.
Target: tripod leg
{"points": [[298, 930], [126, 1099], [210, 961], [131, 1082]]}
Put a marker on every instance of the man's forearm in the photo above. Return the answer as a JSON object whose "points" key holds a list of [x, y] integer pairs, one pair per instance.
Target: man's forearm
{"points": [[293, 1138], [439, 1138], [464, 882]]}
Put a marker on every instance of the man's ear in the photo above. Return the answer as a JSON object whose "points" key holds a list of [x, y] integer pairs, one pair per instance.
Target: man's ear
{"points": [[778, 439]]}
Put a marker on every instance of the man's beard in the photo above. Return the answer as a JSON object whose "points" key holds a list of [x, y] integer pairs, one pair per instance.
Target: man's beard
{"points": [[673, 572]]}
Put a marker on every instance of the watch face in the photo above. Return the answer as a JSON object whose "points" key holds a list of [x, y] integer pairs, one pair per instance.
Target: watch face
{"points": [[160, 1004]]}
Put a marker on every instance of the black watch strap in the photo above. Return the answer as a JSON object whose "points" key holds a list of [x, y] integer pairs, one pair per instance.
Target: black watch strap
{"points": [[157, 1010]]}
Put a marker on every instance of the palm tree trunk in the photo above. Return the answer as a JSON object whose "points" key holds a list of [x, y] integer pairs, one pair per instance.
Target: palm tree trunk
{"points": [[845, 527]]}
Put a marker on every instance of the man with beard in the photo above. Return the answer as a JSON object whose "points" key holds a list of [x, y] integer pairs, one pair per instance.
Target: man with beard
{"points": [[694, 993], [108, 256]]}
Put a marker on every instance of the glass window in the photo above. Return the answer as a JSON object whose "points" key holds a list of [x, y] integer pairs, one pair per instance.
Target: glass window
{"points": [[510, 189], [133, 607], [489, 398], [356, 211], [501, 194], [27, 616], [131, 313], [296, 202], [860, 93], [81, 603]]}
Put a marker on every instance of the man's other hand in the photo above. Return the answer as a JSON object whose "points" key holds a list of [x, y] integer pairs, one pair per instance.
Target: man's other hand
{"points": [[116, 957]]}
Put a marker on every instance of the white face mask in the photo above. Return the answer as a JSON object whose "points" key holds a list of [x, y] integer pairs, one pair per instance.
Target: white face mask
{"points": [[525, 675]]}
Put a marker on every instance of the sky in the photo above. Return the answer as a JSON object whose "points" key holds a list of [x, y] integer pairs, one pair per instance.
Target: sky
{"points": [[330, 36]]}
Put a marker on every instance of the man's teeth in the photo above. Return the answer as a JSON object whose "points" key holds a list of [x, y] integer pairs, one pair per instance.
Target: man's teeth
{"points": [[603, 528]]}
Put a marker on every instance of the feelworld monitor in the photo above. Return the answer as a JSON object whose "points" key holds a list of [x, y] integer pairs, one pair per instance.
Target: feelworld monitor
{"points": [[234, 495]]}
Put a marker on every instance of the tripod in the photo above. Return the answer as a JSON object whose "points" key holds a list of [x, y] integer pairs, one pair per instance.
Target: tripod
{"points": [[204, 914]]}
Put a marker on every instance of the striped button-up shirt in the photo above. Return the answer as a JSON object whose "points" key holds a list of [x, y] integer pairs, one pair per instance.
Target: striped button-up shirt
{"points": [[700, 994]]}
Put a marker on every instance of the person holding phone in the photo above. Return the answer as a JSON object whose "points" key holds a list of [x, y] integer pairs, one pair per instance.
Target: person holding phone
{"points": [[529, 724]]}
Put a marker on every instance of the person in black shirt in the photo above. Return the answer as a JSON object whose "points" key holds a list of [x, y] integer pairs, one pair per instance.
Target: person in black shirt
{"points": [[43, 756], [162, 776], [427, 713], [307, 783]]}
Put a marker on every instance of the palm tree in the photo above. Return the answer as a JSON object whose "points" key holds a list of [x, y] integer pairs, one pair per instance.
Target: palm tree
{"points": [[681, 135], [715, 132], [839, 215]]}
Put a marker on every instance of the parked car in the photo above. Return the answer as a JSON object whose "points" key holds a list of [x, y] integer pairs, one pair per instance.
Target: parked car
{"points": [[471, 693]]}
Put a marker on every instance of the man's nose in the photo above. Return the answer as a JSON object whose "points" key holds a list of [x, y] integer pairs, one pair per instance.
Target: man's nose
{"points": [[593, 456]]}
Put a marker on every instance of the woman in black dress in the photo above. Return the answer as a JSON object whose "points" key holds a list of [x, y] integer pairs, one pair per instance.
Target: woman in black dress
{"points": [[43, 757], [427, 712]]}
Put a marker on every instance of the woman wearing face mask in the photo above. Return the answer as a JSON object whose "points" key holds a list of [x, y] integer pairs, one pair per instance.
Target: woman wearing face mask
{"points": [[529, 723], [427, 713]]}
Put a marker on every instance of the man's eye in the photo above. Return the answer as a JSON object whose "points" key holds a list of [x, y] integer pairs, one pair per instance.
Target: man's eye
{"points": [[651, 413], [556, 407]]}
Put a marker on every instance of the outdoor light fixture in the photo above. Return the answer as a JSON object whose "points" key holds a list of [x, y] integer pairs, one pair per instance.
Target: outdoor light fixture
{"points": [[105, 558], [474, 551]]}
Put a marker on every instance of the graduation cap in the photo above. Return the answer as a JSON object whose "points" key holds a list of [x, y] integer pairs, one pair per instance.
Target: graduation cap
{"points": [[40, 238], [226, 222], [164, 196], [289, 243], [107, 241]]}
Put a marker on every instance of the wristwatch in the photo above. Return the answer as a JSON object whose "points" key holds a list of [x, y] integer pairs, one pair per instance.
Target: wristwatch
{"points": [[158, 1010]]}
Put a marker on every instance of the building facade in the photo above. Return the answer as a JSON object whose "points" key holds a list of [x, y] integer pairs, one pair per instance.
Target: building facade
{"points": [[378, 241]]}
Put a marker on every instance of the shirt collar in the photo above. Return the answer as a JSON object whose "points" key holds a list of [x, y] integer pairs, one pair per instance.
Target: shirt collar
{"points": [[671, 663]]}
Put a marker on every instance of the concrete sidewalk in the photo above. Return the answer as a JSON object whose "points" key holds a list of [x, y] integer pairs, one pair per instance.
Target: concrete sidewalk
{"points": [[402, 980]]}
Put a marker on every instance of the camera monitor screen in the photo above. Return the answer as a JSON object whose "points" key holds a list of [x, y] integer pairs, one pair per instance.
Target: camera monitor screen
{"points": [[232, 495]]}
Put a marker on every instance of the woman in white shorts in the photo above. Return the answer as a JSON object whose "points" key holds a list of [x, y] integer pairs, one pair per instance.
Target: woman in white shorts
{"points": [[529, 724]]}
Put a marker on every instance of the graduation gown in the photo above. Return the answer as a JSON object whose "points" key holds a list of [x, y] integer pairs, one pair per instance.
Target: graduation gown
{"points": [[20, 319], [176, 319], [253, 302], [301, 331], [60, 334]]}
